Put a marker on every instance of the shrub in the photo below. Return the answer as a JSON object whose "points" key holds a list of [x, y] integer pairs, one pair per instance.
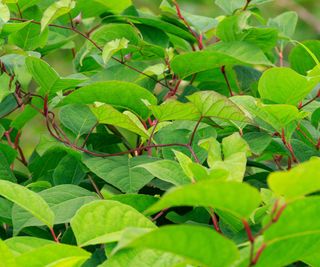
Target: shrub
{"points": [[176, 140]]}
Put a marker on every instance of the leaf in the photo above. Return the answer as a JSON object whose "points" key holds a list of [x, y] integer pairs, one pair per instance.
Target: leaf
{"points": [[113, 47], [234, 144], [167, 170], [63, 200], [27, 200], [301, 60], [115, 6], [190, 63], [54, 255], [102, 221], [244, 52], [212, 104], [7, 258], [184, 240], [78, 119], [4, 12], [285, 22], [69, 171], [210, 193], [299, 181], [108, 93], [23, 244], [174, 110], [302, 238], [285, 86], [5, 171], [106, 114], [138, 201], [121, 171], [55, 11], [47, 77], [142, 258]]}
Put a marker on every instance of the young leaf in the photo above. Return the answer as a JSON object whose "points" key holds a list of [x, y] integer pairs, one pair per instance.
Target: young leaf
{"points": [[167, 170], [113, 47], [55, 11], [27, 200], [209, 193], [132, 96], [102, 221], [299, 181], [4, 12], [106, 114], [184, 240], [212, 104]]}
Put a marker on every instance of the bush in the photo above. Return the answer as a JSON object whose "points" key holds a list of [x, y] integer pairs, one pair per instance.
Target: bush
{"points": [[178, 140]]}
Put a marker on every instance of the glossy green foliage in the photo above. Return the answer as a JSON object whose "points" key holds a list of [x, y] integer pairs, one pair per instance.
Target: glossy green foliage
{"points": [[135, 139]]}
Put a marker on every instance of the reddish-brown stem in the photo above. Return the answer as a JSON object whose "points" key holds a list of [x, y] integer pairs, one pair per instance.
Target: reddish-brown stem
{"points": [[174, 90], [258, 254], [247, 5], [88, 135], [181, 17], [223, 71], [288, 146], [159, 215], [214, 220], [95, 187], [306, 136], [55, 238], [310, 101], [19, 10]]}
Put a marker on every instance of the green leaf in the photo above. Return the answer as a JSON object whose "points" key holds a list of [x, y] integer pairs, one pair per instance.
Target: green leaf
{"points": [[121, 171], [142, 258], [285, 86], [4, 12], [301, 60], [210, 193], [48, 78], [78, 119], [115, 6], [103, 221], [5, 171], [55, 11], [212, 104], [7, 258], [63, 200], [194, 62], [23, 244], [27, 200], [286, 23], [113, 47], [175, 110], [185, 240], [138, 201], [132, 96], [54, 255], [244, 52], [234, 144], [299, 181], [301, 238], [70, 170], [167, 170], [106, 114]]}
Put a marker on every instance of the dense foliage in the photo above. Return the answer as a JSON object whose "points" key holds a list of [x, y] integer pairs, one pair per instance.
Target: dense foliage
{"points": [[179, 140]]}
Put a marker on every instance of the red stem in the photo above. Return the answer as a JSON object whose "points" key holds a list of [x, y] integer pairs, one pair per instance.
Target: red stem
{"points": [[55, 238]]}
